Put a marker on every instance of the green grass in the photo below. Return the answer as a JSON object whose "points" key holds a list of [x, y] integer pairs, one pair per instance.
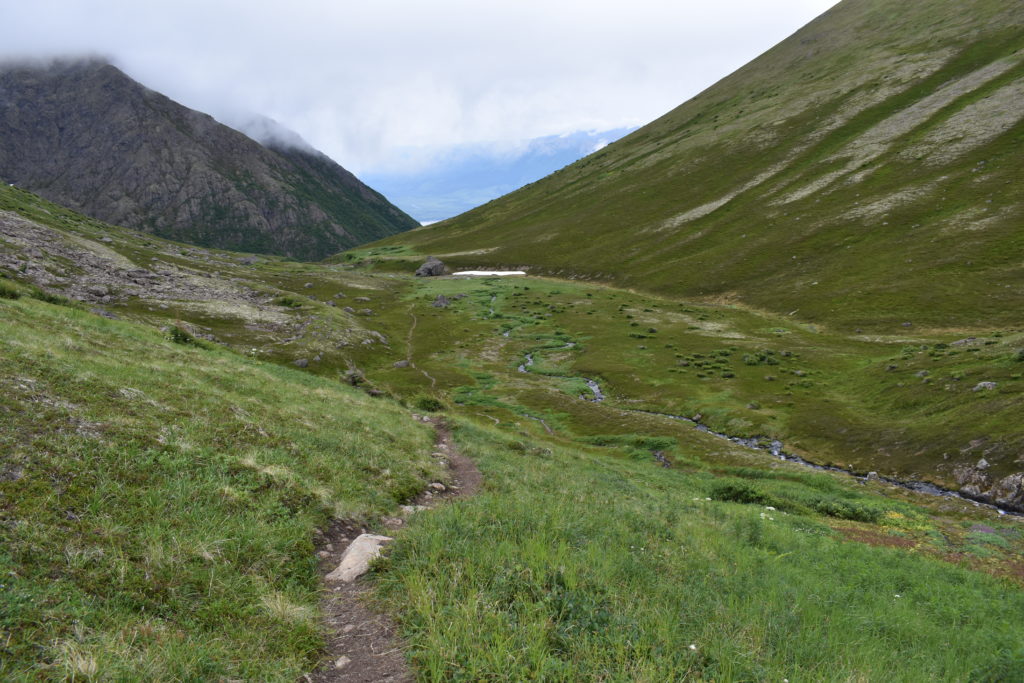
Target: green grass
{"points": [[919, 237], [159, 500], [573, 566]]}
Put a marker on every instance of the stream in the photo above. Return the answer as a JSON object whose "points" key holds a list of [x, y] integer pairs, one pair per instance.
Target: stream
{"points": [[776, 448]]}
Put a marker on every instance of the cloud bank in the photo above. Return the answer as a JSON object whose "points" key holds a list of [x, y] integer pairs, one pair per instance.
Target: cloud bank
{"points": [[386, 86]]}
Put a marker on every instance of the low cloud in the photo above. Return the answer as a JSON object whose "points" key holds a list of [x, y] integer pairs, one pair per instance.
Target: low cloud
{"points": [[362, 80]]}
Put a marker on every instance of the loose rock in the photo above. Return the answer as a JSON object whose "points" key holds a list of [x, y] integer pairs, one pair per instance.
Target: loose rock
{"points": [[356, 560]]}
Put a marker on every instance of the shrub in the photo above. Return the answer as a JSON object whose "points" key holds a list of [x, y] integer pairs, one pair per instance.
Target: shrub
{"points": [[287, 302], [739, 492], [427, 403], [8, 292], [179, 335], [845, 509], [55, 299]]}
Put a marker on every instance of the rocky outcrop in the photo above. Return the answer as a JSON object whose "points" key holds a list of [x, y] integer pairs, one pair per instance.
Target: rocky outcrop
{"points": [[85, 135], [430, 268], [977, 482]]}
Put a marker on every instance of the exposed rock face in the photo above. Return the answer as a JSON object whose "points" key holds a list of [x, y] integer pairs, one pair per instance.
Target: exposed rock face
{"points": [[976, 482], [430, 268], [85, 135]]}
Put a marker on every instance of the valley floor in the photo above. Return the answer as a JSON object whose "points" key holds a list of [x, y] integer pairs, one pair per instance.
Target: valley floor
{"points": [[167, 477]]}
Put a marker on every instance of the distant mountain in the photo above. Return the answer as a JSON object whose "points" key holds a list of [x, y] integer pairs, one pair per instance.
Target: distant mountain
{"points": [[84, 134], [470, 175], [867, 171]]}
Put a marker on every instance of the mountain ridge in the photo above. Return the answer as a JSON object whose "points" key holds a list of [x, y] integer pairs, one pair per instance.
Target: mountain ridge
{"points": [[85, 135], [861, 172]]}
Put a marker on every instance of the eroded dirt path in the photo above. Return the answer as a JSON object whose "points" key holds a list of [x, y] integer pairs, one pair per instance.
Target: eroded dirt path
{"points": [[363, 644]]}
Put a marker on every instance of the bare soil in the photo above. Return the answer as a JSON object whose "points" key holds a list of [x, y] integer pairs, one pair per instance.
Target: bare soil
{"points": [[363, 644]]}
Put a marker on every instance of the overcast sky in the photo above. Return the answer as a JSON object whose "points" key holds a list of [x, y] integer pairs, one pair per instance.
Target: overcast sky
{"points": [[386, 86]]}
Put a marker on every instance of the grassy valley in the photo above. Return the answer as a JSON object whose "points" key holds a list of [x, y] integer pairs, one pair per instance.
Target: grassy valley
{"points": [[861, 174], [753, 414], [166, 473]]}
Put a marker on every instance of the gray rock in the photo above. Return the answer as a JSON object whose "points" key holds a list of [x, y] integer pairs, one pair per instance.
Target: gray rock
{"points": [[356, 560], [976, 482], [349, 309], [365, 311], [98, 290], [400, 364], [432, 267], [361, 298], [441, 301], [982, 386], [308, 285], [872, 476], [302, 363]]}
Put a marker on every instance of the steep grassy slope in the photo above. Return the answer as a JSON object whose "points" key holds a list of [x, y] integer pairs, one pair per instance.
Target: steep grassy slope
{"points": [[87, 136], [865, 172]]}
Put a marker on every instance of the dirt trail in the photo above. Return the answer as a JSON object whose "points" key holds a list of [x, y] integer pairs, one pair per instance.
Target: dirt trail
{"points": [[359, 638]]}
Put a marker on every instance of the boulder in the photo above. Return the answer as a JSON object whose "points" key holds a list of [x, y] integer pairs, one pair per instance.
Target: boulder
{"points": [[441, 301], [302, 363], [356, 560], [984, 386], [430, 268], [400, 364], [976, 482]]}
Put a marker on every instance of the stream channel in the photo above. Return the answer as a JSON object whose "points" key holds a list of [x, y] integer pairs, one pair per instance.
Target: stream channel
{"points": [[774, 447]]}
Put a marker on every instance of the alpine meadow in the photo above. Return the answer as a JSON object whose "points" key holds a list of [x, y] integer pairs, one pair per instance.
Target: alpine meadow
{"points": [[751, 412]]}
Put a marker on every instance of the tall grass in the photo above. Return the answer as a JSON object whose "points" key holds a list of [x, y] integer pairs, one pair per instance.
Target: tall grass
{"points": [[578, 567], [158, 501]]}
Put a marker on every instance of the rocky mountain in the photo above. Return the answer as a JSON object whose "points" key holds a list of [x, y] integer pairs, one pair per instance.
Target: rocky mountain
{"points": [[84, 134], [865, 172]]}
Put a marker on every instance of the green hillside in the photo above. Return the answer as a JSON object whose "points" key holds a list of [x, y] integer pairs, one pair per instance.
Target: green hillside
{"points": [[864, 173], [165, 475]]}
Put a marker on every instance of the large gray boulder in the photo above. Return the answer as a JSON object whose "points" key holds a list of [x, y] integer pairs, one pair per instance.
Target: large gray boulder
{"points": [[431, 267], [978, 483]]}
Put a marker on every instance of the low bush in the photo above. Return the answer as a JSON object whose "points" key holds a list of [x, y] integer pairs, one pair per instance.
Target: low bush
{"points": [[8, 292], [427, 403]]}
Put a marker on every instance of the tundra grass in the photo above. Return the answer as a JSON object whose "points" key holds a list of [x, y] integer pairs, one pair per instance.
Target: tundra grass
{"points": [[816, 198], [574, 566], [158, 501]]}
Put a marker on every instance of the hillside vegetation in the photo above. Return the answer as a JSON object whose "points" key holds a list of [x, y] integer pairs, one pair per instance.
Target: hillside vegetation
{"points": [[162, 485], [864, 173]]}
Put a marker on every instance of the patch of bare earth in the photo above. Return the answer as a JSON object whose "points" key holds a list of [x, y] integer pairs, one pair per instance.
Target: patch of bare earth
{"points": [[362, 644]]}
